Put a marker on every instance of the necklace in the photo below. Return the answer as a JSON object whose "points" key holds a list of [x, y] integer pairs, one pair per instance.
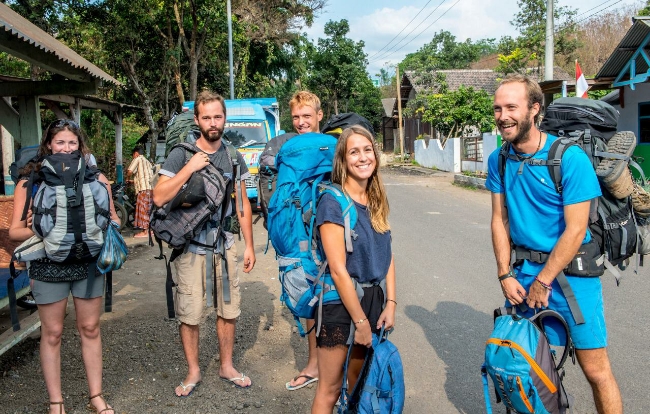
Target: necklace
{"points": [[539, 145]]}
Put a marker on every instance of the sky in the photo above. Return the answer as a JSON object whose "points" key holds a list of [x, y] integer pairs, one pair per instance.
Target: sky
{"points": [[377, 22]]}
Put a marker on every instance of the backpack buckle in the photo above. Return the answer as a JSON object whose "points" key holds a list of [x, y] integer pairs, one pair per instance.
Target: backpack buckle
{"points": [[71, 196]]}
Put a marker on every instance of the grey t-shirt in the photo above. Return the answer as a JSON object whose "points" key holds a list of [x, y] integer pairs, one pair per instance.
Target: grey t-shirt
{"points": [[220, 159]]}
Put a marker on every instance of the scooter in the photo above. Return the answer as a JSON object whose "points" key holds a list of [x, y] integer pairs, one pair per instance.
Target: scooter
{"points": [[123, 207]]}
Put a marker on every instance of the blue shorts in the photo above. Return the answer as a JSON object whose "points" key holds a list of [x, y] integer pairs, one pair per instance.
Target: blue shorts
{"points": [[589, 293]]}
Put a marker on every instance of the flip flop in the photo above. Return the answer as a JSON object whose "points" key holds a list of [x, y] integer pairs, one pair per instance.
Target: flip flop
{"points": [[184, 387], [242, 379], [299, 386]]}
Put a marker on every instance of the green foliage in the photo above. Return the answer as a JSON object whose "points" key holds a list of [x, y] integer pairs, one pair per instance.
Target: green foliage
{"points": [[531, 22], [12, 66], [452, 112], [337, 74], [444, 52], [646, 10]]}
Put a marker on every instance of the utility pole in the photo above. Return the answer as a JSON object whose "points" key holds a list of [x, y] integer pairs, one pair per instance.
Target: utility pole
{"points": [[399, 112], [550, 42], [230, 64]]}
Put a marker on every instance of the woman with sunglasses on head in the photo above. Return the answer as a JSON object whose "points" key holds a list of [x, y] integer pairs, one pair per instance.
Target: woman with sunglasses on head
{"points": [[356, 170], [64, 136]]}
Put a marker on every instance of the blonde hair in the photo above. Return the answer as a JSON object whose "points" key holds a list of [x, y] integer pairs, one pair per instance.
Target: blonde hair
{"points": [[304, 98], [377, 199]]}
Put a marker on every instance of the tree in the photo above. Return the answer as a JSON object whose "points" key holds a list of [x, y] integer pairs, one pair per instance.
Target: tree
{"points": [[444, 52], [646, 10], [452, 113], [531, 22], [337, 63]]}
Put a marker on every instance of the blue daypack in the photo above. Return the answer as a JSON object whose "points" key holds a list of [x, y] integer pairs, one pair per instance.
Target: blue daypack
{"points": [[380, 388], [527, 377], [304, 170]]}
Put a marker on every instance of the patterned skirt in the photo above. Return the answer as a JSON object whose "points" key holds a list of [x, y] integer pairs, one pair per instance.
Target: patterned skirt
{"points": [[143, 209]]}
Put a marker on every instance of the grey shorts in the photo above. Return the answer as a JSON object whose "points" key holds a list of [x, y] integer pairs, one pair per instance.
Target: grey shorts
{"points": [[51, 292]]}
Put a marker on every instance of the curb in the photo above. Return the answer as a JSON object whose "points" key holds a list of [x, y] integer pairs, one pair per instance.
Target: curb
{"points": [[467, 180]]}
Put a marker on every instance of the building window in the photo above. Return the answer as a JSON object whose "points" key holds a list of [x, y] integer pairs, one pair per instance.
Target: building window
{"points": [[644, 123]]}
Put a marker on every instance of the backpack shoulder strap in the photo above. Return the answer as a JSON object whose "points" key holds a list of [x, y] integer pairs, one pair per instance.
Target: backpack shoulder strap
{"points": [[555, 154], [348, 209], [503, 156], [232, 152]]}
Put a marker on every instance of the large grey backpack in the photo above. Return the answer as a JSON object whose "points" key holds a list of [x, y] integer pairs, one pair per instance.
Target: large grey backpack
{"points": [[71, 209]]}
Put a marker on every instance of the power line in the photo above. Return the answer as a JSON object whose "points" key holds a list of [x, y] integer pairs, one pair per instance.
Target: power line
{"points": [[424, 30], [593, 8], [407, 25], [556, 31], [409, 33]]}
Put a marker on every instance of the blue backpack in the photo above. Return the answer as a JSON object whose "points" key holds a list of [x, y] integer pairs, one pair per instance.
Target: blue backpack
{"points": [[304, 167], [523, 367], [380, 388]]}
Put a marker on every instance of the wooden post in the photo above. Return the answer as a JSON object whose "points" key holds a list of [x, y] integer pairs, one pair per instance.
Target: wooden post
{"points": [[399, 111]]}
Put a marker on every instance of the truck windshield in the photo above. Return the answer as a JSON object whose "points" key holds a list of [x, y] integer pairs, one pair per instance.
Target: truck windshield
{"points": [[245, 133]]}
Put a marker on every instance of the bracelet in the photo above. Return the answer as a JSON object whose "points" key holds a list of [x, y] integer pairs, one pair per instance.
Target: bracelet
{"points": [[391, 300], [544, 285], [361, 321], [510, 273]]}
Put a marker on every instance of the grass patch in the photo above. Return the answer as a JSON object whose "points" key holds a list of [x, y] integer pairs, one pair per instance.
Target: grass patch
{"points": [[466, 186], [475, 174]]}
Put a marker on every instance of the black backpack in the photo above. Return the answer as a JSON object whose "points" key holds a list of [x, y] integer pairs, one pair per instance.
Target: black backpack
{"points": [[336, 124], [268, 173], [178, 128], [590, 125]]}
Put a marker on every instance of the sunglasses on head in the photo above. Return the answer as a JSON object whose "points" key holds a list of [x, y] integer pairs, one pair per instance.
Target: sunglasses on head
{"points": [[63, 122]]}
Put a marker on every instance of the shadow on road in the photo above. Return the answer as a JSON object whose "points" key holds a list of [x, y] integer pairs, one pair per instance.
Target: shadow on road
{"points": [[457, 333]]}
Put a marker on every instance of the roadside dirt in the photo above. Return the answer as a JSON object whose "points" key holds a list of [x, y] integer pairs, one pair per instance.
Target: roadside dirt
{"points": [[143, 359]]}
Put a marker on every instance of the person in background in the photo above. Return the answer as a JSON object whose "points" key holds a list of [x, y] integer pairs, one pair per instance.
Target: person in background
{"points": [[140, 173], [306, 115], [64, 136]]}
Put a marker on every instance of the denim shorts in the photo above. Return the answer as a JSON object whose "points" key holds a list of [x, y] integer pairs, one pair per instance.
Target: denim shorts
{"points": [[589, 294]]}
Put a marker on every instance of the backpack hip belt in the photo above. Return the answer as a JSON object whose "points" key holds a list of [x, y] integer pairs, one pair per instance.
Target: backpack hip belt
{"points": [[520, 254]]}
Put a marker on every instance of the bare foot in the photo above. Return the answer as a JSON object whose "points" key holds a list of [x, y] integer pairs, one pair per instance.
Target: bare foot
{"points": [[187, 386], [142, 234], [56, 408], [99, 405], [301, 380], [239, 379]]}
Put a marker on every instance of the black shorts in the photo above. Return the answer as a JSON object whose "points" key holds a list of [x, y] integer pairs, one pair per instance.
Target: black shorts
{"points": [[335, 329]]}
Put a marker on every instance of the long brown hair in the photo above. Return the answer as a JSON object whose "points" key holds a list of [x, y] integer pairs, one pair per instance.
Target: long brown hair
{"points": [[49, 133], [377, 199]]}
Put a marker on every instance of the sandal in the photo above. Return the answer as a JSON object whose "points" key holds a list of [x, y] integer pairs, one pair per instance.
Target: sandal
{"points": [[95, 409], [51, 403]]}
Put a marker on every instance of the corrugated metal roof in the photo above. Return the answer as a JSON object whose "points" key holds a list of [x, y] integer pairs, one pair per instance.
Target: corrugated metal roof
{"points": [[16, 27], [626, 48]]}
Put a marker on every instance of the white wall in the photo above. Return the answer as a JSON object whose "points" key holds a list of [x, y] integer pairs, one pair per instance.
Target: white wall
{"points": [[629, 119], [449, 158], [434, 155]]}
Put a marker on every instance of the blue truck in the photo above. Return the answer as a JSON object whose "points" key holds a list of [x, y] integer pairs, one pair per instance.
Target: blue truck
{"points": [[250, 124]]}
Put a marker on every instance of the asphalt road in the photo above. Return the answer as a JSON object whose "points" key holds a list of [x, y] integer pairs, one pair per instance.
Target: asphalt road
{"points": [[447, 290]]}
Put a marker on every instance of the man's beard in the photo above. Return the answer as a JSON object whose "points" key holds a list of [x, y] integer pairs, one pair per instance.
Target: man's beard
{"points": [[524, 127], [212, 135]]}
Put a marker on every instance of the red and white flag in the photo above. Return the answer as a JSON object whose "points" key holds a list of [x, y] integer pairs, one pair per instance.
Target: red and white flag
{"points": [[581, 83]]}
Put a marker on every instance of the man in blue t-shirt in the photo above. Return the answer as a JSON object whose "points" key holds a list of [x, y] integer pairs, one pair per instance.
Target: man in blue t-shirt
{"points": [[528, 212]]}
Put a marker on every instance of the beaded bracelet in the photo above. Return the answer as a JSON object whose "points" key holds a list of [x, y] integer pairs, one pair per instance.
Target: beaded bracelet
{"points": [[360, 321], [544, 285]]}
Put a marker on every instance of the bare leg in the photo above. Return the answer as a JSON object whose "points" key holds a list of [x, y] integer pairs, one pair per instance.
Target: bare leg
{"points": [[52, 316], [226, 336], [311, 369], [190, 340], [330, 368], [598, 371]]}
